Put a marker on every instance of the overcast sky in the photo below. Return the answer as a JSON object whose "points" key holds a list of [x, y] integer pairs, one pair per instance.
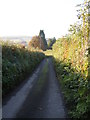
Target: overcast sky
{"points": [[28, 17]]}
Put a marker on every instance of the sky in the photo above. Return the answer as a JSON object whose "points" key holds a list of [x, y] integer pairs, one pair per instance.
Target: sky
{"points": [[28, 17]]}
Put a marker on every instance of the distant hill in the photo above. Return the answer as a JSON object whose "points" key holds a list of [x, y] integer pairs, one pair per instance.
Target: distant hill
{"points": [[18, 39]]}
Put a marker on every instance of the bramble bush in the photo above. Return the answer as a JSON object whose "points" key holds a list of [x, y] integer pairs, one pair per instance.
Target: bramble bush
{"points": [[17, 63]]}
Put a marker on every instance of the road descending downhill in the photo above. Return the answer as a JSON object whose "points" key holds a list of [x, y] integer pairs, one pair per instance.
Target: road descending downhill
{"points": [[40, 99]]}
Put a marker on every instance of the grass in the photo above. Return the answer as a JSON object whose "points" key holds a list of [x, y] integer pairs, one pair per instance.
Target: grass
{"points": [[42, 78]]}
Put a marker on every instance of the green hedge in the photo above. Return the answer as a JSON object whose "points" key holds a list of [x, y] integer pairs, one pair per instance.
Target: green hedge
{"points": [[17, 63], [73, 76]]}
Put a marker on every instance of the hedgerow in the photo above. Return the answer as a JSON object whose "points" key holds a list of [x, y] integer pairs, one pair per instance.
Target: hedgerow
{"points": [[71, 59], [17, 63]]}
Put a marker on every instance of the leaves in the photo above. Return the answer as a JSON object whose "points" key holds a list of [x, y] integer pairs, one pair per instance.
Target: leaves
{"points": [[17, 63], [71, 62]]}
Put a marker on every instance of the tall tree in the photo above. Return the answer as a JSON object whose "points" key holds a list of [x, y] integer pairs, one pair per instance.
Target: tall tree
{"points": [[42, 35]]}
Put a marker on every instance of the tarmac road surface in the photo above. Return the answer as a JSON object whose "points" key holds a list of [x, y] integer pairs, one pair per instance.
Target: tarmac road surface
{"points": [[38, 97]]}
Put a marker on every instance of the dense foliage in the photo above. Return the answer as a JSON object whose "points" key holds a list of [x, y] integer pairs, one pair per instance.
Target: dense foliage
{"points": [[17, 63], [36, 42], [42, 35], [51, 41], [71, 55]]}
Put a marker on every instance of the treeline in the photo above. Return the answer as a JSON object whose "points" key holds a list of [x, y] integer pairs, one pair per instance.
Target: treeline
{"points": [[40, 42], [71, 60]]}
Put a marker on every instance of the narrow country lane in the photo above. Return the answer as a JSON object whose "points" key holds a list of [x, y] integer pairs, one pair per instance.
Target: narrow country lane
{"points": [[39, 97]]}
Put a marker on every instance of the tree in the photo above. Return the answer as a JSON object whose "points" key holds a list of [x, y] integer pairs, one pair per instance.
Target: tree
{"points": [[36, 42], [39, 41], [84, 16], [42, 35], [51, 41]]}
